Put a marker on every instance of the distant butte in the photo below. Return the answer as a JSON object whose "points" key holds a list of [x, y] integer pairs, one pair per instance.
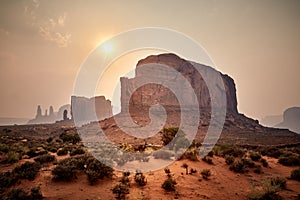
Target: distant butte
{"points": [[237, 129]]}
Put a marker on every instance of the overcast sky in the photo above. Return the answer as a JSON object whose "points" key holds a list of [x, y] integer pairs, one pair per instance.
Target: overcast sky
{"points": [[43, 44]]}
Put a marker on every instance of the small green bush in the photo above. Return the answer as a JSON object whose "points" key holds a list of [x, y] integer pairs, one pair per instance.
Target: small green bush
{"points": [[73, 138], [13, 157], [169, 184], [229, 159], [264, 162], [207, 160], [97, 170], [36, 193], [191, 154], [255, 156], [140, 179], [291, 160], [77, 151], [120, 190], [186, 167], [46, 158], [295, 174], [206, 173], [62, 152], [49, 139], [238, 166], [28, 170], [4, 148], [18, 194], [278, 181]]}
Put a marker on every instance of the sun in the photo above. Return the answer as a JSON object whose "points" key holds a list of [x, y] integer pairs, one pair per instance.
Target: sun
{"points": [[107, 47]]}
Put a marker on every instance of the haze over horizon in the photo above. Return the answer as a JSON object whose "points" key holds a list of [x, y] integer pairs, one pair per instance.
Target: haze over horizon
{"points": [[43, 44]]}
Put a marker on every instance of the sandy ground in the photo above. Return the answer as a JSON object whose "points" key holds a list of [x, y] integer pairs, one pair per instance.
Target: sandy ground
{"points": [[222, 184]]}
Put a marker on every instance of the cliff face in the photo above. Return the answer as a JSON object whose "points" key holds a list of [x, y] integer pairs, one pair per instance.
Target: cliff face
{"points": [[85, 110], [151, 93]]}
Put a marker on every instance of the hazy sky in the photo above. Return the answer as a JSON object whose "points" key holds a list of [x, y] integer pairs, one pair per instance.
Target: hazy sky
{"points": [[43, 44]]}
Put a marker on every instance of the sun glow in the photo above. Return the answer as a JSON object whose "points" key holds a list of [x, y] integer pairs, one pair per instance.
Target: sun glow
{"points": [[107, 48]]}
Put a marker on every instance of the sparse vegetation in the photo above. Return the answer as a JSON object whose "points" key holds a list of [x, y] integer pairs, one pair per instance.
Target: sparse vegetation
{"points": [[289, 160], [186, 167], [120, 190], [207, 160], [46, 158], [269, 190], [264, 162], [206, 173], [62, 152], [295, 174], [20, 194], [28, 170], [229, 159], [255, 156], [73, 138], [77, 151], [140, 179], [13, 157]]}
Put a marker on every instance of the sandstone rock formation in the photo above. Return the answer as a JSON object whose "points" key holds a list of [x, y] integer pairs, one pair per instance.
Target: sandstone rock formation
{"points": [[52, 117], [150, 94], [291, 119], [85, 110]]}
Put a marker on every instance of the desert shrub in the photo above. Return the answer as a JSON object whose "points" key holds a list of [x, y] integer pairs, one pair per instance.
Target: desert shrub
{"points": [[210, 154], [291, 160], [49, 139], [65, 170], [257, 169], [43, 152], [229, 159], [46, 158], [255, 156], [186, 167], [295, 174], [248, 163], [264, 162], [125, 179], [191, 154], [273, 152], [4, 148], [18, 193], [269, 191], [97, 170], [169, 184], [193, 171], [28, 170], [238, 166], [52, 149], [32, 152], [120, 190], [207, 160], [77, 151], [36, 193], [73, 138], [62, 152], [162, 154], [232, 151], [167, 171], [279, 182], [140, 179], [7, 179], [205, 173], [13, 157]]}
